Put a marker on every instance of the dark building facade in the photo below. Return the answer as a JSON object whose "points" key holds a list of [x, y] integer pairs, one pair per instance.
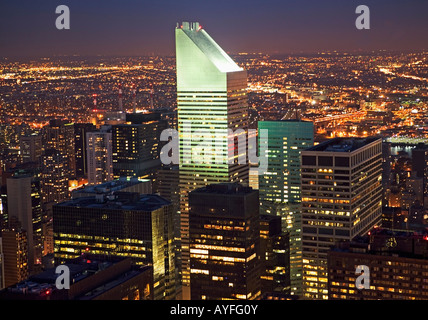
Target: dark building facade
{"points": [[274, 256], [80, 130], [397, 262], [92, 277], [224, 243], [125, 224], [137, 146]]}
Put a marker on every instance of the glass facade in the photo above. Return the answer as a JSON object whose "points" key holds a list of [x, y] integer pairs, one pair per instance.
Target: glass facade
{"points": [[140, 230], [279, 185]]}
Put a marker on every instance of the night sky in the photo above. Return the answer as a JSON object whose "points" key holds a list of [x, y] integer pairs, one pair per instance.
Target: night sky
{"points": [[139, 27]]}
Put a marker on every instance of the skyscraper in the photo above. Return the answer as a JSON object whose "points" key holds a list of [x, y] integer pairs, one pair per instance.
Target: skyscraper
{"points": [[125, 224], [80, 130], [31, 148], [224, 229], [15, 255], [420, 167], [59, 135], [279, 184], [211, 98], [54, 176], [274, 256], [25, 205], [136, 145], [341, 199], [99, 156]]}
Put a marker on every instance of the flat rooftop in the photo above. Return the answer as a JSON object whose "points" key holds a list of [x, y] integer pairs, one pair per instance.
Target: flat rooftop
{"points": [[225, 188], [112, 186], [343, 144], [118, 201]]}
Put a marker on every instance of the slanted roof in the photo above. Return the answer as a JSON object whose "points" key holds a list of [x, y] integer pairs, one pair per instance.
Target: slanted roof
{"points": [[209, 47]]}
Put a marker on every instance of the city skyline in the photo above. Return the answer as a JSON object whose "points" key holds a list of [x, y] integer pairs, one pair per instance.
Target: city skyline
{"points": [[276, 27], [140, 163]]}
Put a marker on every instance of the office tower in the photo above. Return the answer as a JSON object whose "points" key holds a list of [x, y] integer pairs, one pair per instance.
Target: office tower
{"points": [[92, 277], [59, 135], [137, 146], [420, 167], [31, 147], [54, 176], [99, 155], [211, 98], [124, 224], [25, 205], [274, 256], [15, 258], [167, 187], [279, 184], [392, 218], [341, 199], [80, 147], [224, 230], [397, 263]]}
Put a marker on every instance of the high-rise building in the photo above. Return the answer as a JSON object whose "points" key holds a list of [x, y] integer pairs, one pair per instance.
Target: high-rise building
{"points": [[15, 258], [397, 263], [341, 199], [137, 146], [31, 147], [420, 167], [279, 184], [123, 224], [274, 256], [80, 147], [25, 205], [99, 156], [59, 135], [211, 99], [54, 176], [224, 229]]}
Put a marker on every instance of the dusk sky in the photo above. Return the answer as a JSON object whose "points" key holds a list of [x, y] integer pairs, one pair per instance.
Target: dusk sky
{"points": [[138, 27]]}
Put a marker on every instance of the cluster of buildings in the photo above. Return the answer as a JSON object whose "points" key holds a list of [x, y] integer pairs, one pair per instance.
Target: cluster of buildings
{"points": [[97, 198]]}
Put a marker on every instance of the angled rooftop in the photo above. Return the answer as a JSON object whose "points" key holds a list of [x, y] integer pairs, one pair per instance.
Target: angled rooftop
{"points": [[209, 47]]}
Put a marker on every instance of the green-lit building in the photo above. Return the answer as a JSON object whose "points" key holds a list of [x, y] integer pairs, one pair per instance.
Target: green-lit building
{"points": [[279, 185], [211, 98]]}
